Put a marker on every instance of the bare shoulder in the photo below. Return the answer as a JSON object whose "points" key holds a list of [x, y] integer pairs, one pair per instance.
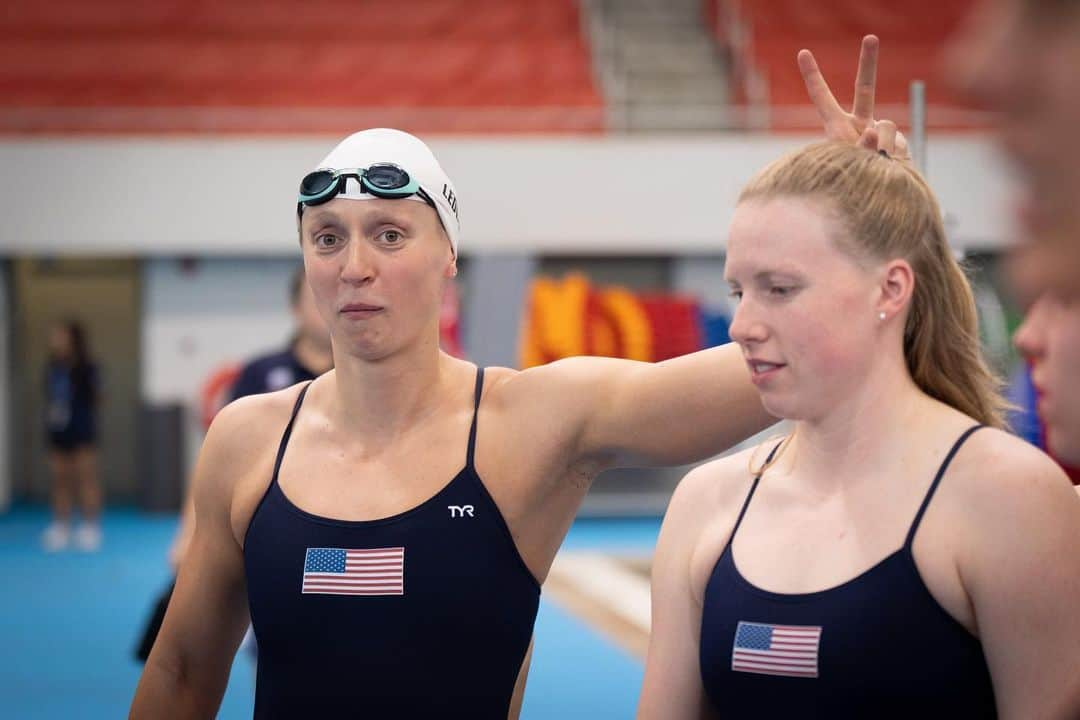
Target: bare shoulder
{"points": [[1010, 496], [244, 425], [548, 381], [711, 488], [237, 455], [708, 498], [543, 407], [699, 521], [997, 467], [500, 383]]}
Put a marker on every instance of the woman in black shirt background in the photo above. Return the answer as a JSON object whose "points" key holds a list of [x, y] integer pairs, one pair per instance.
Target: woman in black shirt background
{"points": [[72, 397]]}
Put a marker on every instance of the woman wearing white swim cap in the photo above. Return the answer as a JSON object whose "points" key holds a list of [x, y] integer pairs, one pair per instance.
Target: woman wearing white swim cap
{"points": [[389, 525]]}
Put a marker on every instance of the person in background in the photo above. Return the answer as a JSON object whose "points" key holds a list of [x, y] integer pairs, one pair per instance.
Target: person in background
{"points": [[1018, 59], [71, 408], [305, 358], [1049, 340]]}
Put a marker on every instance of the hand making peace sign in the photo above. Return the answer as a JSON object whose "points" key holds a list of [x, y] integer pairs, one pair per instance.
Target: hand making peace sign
{"points": [[857, 126]]}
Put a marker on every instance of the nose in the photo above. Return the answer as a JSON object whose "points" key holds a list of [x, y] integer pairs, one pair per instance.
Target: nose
{"points": [[747, 327], [360, 266], [1029, 338]]}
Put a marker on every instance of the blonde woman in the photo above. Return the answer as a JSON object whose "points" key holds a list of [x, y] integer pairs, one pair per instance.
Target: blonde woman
{"points": [[899, 554]]}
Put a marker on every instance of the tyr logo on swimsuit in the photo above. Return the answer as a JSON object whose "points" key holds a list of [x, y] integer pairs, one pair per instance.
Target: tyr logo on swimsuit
{"points": [[460, 510]]}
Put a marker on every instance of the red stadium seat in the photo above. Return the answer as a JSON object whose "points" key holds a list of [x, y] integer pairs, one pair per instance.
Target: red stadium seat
{"points": [[122, 65]]}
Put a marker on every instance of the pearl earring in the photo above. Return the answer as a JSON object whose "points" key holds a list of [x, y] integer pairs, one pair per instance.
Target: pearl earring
{"points": [[881, 316]]}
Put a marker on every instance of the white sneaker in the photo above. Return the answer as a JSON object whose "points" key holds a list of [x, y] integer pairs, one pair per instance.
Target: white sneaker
{"points": [[56, 537], [88, 537]]}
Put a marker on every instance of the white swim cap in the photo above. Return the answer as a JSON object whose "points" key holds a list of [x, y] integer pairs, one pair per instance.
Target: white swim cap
{"points": [[384, 145]]}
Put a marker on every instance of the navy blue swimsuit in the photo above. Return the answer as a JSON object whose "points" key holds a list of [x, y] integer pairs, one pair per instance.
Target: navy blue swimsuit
{"points": [[876, 646], [428, 613]]}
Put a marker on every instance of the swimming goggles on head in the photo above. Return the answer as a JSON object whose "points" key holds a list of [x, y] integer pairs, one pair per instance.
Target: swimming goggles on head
{"points": [[383, 180]]}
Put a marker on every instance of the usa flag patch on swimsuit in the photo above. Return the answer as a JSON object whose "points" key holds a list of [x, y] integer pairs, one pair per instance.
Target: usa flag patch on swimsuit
{"points": [[790, 650], [337, 571]]}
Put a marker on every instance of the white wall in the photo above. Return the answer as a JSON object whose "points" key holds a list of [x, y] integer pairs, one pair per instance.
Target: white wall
{"points": [[589, 194], [199, 317], [219, 311]]}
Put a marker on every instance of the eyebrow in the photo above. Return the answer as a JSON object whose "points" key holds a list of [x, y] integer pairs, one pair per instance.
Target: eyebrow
{"points": [[770, 274], [323, 218], [383, 217], [767, 275]]}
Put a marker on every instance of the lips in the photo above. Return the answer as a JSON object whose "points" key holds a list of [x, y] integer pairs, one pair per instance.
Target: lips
{"points": [[1042, 402], [1043, 405], [359, 309], [761, 370]]}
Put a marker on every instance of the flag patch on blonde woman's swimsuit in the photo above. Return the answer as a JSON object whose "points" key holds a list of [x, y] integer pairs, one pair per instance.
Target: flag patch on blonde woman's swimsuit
{"points": [[790, 650], [337, 571]]}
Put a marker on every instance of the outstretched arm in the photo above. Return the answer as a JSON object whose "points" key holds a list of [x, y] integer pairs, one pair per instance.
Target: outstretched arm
{"points": [[678, 411], [685, 409]]}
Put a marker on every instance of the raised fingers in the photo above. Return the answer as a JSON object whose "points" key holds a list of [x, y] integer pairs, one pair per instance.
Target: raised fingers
{"points": [[824, 101], [865, 80]]}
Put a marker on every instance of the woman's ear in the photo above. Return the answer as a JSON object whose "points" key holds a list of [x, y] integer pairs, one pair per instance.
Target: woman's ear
{"points": [[897, 287]]}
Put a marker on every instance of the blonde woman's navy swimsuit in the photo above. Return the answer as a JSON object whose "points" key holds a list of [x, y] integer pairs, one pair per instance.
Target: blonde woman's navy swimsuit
{"points": [[877, 646]]}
